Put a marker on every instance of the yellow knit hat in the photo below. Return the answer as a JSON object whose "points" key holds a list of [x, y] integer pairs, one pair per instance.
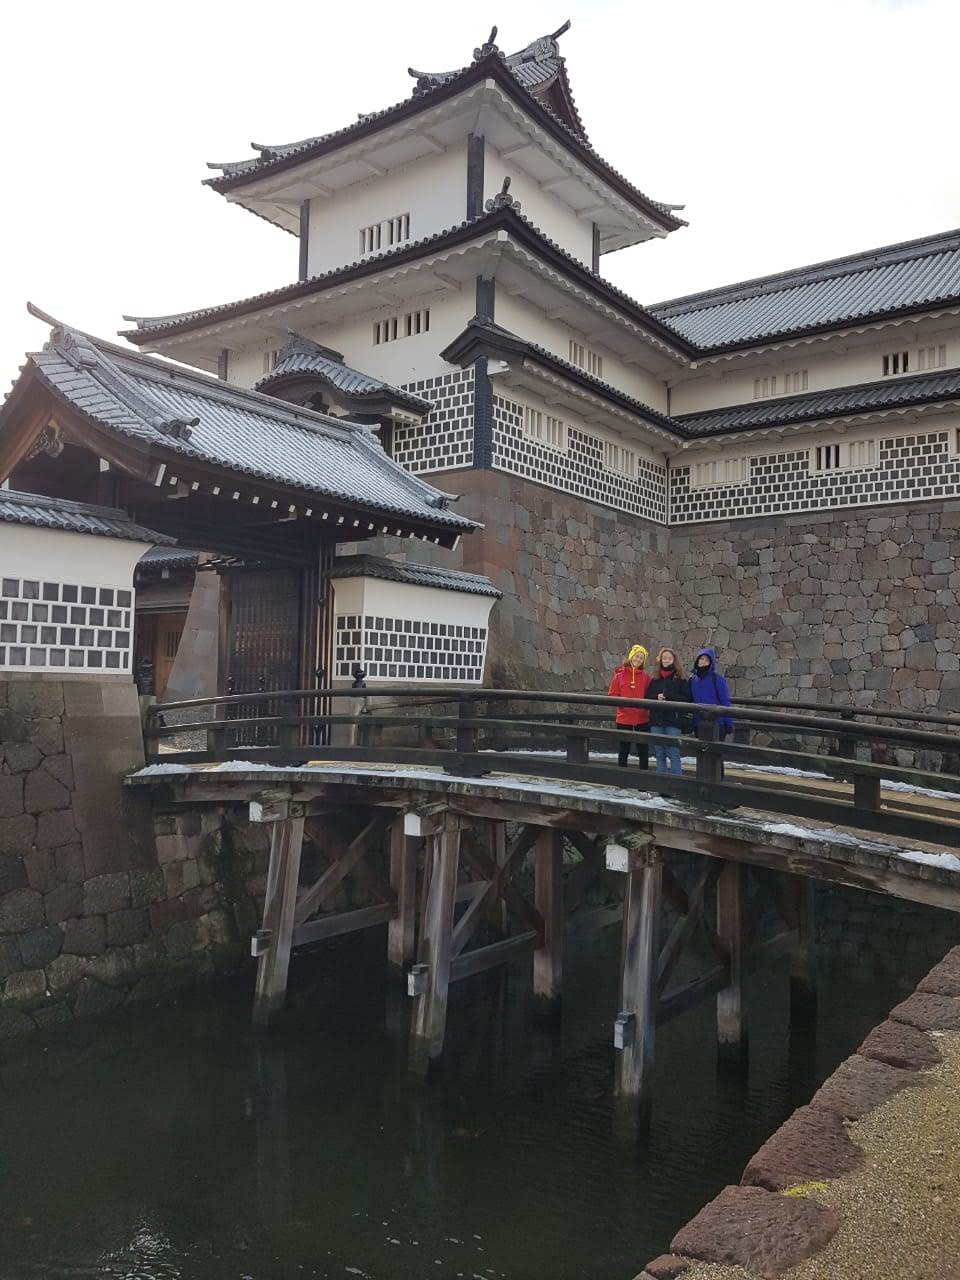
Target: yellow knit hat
{"points": [[634, 651]]}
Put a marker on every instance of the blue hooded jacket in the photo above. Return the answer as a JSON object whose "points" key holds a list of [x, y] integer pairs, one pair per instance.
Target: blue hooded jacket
{"points": [[710, 689]]}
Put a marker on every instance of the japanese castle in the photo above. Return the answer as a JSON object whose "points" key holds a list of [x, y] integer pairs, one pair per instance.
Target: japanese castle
{"points": [[451, 332]]}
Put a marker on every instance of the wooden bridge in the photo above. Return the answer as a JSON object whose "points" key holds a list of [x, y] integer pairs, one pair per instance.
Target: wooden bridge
{"points": [[436, 803]]}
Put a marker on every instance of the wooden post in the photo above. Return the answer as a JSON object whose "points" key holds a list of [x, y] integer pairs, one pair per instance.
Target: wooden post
{"points": [[431, 977], [635, 1033], [548, 900], [803, 958], [403, 881], [283, 876], [731, 1033]]}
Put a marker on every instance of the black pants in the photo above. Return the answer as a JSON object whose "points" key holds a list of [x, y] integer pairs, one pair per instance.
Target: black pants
{"points": [[643, 751]]}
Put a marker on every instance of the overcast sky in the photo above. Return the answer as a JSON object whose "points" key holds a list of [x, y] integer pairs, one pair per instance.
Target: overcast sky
{"points": [[792, 131]]}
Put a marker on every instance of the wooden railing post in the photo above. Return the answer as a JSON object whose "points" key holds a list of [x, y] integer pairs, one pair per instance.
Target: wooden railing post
{"points": [[709, 763], [866, 791], [578, 748]]}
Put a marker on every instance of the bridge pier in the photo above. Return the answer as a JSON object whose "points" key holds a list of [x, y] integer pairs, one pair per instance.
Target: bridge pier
{"points": [[430, 978], [803, 956], [548, 901], [635, 1034], [731, 1028], [276, 937], [401, 930]]}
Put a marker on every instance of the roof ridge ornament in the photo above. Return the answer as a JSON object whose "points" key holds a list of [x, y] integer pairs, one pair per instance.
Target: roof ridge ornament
{"points": [[503, 199], [487, 47]]}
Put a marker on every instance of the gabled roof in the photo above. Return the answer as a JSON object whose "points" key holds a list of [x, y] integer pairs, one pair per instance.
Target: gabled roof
{"points": [[893, 280], [488, 62], [539, 68], [73, 517], [174, 411], [839, 402], [157, 559], [302, 358], [484, 337], [504, 215], [415, 575]]}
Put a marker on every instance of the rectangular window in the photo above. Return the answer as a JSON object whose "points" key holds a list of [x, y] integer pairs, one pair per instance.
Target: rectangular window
{"points": [[380, 236], [719, 472], [545, 429], [620, 460], [795, 382], [764, 387], [405, 326], [269, 361], [896, 362], [848, 455], [931, 357], [585, 359]]}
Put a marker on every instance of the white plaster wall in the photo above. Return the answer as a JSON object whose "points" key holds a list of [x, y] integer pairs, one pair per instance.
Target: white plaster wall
{"points": [[432, 190], [402, 600], [527, 321], [834, 362], [91, 561], [554, 218], [620, 434], [245, 368]]}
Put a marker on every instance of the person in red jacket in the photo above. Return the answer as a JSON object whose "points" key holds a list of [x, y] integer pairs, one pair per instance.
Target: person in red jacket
{"points": [[631, 681]]}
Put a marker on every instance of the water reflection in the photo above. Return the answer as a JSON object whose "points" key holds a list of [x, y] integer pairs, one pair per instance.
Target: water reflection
{"points": [[177, 1144]]}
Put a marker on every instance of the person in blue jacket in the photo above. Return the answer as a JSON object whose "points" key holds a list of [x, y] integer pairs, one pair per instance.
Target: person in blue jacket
{"points": [[709, 687]]}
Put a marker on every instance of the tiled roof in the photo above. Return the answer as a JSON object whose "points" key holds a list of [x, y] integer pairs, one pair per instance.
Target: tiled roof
{"points": [[481, 332], [417, 575], [243, 432], [159, 558], [303, 356], [72, 517], [488, 61], [895, 279], [868, 397], [503, 216]]}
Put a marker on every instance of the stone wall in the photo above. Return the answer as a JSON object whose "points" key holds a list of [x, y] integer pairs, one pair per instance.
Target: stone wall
{"points": [[99, 903]]}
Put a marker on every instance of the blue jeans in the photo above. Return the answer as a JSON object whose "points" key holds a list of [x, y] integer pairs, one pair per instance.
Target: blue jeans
{"points": [[668, 758]]}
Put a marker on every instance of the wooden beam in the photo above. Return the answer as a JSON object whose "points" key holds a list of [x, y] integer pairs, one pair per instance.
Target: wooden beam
{"points": [[283, 874], [318, 892], [338, 922], [401, 934], [684, 928], [430, 1010], [548, 899], [685, 997], [638, 978], [731, 1033], [483, 958], [477, 899]]}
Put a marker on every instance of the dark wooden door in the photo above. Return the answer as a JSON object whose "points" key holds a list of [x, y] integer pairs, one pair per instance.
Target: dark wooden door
{"points": [[263, 641]]}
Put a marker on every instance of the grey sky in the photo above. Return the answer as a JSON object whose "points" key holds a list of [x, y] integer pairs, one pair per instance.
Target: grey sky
{"points": [[792, 132]]}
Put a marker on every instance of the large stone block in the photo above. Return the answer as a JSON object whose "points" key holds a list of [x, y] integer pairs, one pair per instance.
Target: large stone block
{"points": [[40, 946], [13, 874], [25, 990], [147, 887], [43, 792], [127, 927], [20, 910], [11, 795], [69, 863], [928, 1012], [10, 961], [21, 757], [860, 1085], [752, 1228], [106, 893], [46, 735], [36, 698], [56, 829], [64, 973], [65, 902], [61, 768], [85, 937], [40, 869], [810, 1146]]}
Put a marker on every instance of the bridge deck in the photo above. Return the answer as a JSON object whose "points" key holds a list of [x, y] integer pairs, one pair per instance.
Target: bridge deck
{"points": [[910, 869]]}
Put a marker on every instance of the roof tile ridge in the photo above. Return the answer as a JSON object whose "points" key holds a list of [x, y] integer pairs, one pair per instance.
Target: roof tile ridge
{"points": [[23, 497], [829, 268]]}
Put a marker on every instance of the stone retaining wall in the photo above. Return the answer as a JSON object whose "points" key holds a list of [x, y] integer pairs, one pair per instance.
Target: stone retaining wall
{"points": [[773, 1219], [100, 904]]}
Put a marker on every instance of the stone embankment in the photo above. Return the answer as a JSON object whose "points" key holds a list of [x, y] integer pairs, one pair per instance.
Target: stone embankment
{"points": [[864, 1181]]}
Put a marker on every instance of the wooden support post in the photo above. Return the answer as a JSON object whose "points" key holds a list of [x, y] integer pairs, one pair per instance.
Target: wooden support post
{"points": [[636, 1024], [403, 882], [731, 1032], [436, 941], [548, 900], [279, 906], [803, 957]]}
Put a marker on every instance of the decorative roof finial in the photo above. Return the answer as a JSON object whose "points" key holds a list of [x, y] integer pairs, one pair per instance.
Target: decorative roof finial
{"points": [[561, 30], [487, 47], [503, 199]]}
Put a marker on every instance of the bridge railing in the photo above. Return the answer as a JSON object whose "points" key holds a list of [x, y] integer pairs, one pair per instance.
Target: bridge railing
{"points": [[476, 732]]}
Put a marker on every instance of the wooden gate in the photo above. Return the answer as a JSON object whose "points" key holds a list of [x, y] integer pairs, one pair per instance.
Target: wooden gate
{"points": [[262, 642]]}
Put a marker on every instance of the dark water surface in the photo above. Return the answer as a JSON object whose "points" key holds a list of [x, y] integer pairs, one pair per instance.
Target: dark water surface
{"points": [[174, 1144]]}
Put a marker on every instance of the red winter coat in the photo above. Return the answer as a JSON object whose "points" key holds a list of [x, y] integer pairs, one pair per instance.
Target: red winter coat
{"points": [[630, 682]]}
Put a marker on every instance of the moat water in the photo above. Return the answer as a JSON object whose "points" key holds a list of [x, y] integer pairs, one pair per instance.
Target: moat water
{"points": [[173, 1144]]}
